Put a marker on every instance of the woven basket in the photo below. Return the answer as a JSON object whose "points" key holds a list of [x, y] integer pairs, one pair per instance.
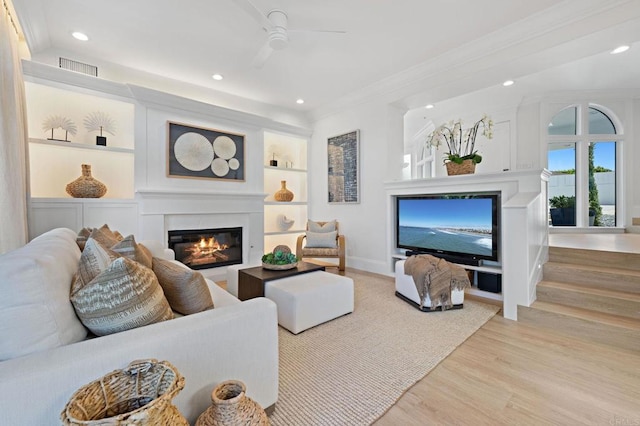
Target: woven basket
{"points": [[466, 168], [137, 395]]}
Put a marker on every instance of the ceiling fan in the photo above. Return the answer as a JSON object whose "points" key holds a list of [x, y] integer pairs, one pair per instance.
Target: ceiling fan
{"points": [[275, 23]]}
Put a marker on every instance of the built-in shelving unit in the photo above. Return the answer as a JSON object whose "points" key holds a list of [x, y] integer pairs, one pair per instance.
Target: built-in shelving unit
{"points": [[291, 154], [56, 155]]}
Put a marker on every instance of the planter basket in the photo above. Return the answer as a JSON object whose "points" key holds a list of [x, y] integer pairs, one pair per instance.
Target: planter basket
{"points": [[137, 395], [467, 167], [279, 267]]}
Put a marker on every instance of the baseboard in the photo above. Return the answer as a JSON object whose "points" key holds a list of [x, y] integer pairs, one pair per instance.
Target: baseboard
{"points": [[424, 308]]}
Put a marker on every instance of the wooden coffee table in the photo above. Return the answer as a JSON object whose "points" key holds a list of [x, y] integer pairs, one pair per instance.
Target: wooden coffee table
{"points": [[251, 280]]}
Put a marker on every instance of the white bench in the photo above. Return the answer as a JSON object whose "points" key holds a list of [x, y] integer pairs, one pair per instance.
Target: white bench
{"points": [[304, 300], [406, 290]]}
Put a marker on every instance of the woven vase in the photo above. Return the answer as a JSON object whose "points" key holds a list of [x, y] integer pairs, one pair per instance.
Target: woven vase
{"points": [[466, 168], [283, 194], [86, 186], [230, 407]]}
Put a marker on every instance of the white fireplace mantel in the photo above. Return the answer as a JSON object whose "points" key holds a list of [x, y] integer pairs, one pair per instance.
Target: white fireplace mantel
{"points": [[162, 210]]}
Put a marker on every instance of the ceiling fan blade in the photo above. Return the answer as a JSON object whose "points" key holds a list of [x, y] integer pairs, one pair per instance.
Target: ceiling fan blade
{"points": [[318, 31], [262, 56], [252, 10]]}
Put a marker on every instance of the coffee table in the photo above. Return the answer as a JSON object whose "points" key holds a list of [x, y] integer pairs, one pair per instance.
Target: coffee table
{"points": [[251, 280]]}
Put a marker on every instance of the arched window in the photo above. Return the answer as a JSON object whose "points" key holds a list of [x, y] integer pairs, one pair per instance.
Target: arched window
{"points": [[582, 151]]}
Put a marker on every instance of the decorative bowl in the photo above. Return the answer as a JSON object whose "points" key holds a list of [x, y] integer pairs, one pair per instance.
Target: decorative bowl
{"points": [[279, 267]]}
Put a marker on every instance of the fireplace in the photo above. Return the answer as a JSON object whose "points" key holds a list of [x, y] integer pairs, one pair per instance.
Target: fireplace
{"points": [[207, 248]]}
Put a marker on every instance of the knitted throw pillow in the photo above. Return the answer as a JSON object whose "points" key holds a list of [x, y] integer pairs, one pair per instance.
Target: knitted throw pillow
{"points": [[185, 289], [124, 296]]}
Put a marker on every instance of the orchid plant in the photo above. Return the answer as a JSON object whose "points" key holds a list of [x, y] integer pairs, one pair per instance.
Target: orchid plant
{"points": [[461, 143]]}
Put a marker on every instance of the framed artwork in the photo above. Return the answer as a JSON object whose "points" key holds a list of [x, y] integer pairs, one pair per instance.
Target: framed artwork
{"points": [[200, 153], [344, 168]]}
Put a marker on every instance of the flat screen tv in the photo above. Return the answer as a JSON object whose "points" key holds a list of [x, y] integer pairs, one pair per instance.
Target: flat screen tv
{"points": [[461, 227]]}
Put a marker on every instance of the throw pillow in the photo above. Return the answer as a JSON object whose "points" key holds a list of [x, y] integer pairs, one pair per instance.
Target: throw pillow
{"points": [[317, 227], [124, 296], [321, 239], [104, 235], [94, 259], [128, 248], [81, 239], [185, 289]]}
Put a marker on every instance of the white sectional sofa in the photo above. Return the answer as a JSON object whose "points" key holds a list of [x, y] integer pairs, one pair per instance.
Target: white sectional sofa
{"points": [[235, 340]]}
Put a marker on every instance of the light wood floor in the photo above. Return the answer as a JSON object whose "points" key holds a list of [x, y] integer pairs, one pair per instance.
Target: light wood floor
{"points": [[512, 373], [509, 373]]}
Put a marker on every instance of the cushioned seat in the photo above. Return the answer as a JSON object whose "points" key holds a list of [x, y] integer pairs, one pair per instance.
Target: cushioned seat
{"points": [[310, 299], [406, 288], [322, 241]]}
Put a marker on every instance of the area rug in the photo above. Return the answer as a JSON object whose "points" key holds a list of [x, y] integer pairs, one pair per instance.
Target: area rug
{"points": [[351, 370]]}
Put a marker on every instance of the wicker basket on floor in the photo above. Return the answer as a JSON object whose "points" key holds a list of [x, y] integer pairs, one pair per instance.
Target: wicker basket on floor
{"points": [[140, 394]]}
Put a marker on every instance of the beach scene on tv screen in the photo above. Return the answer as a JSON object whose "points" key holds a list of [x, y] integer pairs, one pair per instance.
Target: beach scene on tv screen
{"points": [[451, 225]]}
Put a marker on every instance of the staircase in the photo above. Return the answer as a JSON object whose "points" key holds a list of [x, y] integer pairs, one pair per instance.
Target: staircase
{"points": [[590, 294]]}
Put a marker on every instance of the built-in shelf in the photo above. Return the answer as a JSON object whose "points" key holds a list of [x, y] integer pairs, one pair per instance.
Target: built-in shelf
{"points": [[285, 169], [79, 145], [483, 268]]}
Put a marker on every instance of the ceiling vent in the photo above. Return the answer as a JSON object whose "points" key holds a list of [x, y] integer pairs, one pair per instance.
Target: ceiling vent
{"points": [[76, 66]]}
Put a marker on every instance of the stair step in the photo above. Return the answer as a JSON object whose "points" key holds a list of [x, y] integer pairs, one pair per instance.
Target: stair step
{"points": [[609, 278], [597, 299], [588, 257], [588, 325]]}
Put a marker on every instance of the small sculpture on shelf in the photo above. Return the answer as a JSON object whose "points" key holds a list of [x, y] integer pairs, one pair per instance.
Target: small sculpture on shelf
{"points": [[58, 122], [98, 122], [284, 224]]}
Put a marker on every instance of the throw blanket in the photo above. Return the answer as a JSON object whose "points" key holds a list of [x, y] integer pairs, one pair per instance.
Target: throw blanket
{"points": [[436, 277]]}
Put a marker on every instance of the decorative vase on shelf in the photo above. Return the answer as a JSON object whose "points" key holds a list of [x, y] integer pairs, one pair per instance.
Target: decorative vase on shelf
{"points": [[467, 167], [86, 186], [283, 194], [230, 406]]}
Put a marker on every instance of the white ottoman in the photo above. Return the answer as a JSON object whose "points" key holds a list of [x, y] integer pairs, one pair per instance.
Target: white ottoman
{"points": [[406, 290], [232, 276], [307, 300]]}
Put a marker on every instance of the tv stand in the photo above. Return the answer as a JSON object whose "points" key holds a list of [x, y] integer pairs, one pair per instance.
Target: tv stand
{"points": [[461, 260]]}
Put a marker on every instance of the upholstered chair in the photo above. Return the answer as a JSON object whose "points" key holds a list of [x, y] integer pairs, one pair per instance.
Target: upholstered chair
{"points": [[322, 240]]}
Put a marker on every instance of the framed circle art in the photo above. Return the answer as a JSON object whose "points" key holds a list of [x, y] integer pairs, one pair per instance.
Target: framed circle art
{"points": [[200, 153]]}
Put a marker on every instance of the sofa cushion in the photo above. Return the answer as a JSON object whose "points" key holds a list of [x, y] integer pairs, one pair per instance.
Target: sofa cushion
{"points": [[35, 311], [126, 295], [185, 289], [321, 239], [104, 235], [95, 258], [127, 247]]}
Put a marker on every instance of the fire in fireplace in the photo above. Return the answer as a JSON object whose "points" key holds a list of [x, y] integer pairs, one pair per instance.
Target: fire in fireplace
{"points": [[207, 248]]}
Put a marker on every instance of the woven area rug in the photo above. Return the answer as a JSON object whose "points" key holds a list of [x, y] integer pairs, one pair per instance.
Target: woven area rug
{"points": [[349, 371]]}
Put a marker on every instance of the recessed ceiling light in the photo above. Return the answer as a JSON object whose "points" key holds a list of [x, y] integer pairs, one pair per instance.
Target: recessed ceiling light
{"points": [[619, 49], [429, 106], [217, 77], [508, 83], [80, 36], [300, 101]]}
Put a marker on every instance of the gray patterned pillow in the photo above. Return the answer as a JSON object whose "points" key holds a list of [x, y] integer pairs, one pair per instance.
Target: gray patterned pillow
{"points": [[126, 295], [321, 239], [185, 289], [317, 227], [94, 259]]}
